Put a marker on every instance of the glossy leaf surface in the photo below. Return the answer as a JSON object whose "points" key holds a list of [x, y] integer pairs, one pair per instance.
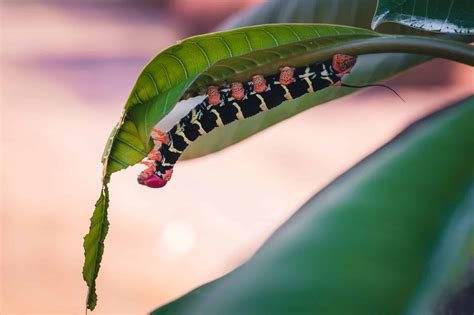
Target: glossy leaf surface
{"points": [[445, 16], [387, 237]]}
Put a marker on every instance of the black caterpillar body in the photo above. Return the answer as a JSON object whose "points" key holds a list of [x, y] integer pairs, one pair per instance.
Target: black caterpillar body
{"points": [[205, 117]]}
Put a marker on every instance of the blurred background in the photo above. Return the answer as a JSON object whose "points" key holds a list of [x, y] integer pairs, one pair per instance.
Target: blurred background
{"points": [[67, 68]]}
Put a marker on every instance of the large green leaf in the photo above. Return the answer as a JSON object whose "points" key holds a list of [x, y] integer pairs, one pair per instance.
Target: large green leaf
{"points": [[209, 59], [390, 236], [445, 16], [213, 59]]}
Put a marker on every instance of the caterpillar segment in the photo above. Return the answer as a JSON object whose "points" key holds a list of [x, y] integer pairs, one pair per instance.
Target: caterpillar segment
{"points": [[242, 100], [259, 83], [160, 136]]}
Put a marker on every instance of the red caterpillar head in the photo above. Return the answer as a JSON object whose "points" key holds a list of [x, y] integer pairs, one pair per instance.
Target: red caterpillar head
{"points": [[342, 64], [150, 179]]}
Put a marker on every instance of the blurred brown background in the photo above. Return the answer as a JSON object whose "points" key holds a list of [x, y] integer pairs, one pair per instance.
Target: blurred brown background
{"points": [[66, 70]]}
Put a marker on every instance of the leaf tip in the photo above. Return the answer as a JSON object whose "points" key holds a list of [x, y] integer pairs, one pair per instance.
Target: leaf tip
{"points": [[94, 246]]}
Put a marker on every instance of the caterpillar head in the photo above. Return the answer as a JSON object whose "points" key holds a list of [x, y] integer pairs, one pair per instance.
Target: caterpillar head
{"points": [[150, 179], [342, 64]]}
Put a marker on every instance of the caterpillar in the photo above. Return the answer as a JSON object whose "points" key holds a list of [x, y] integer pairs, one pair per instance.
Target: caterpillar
{"points": [[224, 105]]}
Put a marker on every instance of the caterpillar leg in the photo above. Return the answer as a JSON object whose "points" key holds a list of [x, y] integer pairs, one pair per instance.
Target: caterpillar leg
{"points": [[161, 136]]}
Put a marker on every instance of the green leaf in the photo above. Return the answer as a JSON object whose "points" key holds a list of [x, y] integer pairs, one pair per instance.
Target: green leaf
{"points": [[445, 16], [208, 59], [387, 237], [94, 245], [212, 59]]}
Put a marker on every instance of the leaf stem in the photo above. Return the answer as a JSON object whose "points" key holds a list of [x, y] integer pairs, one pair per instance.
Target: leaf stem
{"points": [[440, 48]]}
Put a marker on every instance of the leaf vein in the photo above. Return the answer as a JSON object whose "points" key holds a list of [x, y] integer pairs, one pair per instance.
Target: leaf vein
{"points": [[273, 37], [226, 45], [165, 70], [226, 66], [248, 41], [202, 52], [180, 62], [128, 144], [138, 97], [294, 32], [314, 28], [153, 81]]}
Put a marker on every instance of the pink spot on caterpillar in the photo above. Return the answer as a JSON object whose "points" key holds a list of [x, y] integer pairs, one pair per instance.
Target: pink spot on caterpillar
{"points": [[342, 64], [259, 83], [213, 95], [161, 136], [238, 91], [154, 155], [151, 180], [287, 75]]}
